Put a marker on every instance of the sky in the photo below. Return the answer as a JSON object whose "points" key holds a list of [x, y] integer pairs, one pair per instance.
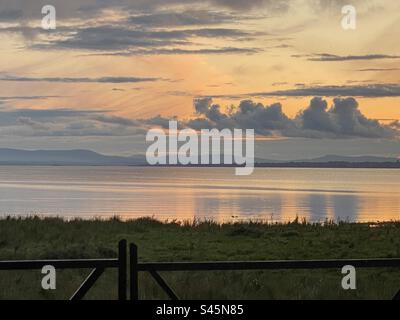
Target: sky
{"points": [[112, 70]]}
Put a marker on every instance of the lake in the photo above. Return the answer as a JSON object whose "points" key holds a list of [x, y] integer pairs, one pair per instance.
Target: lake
{"points": [[270, 194]]}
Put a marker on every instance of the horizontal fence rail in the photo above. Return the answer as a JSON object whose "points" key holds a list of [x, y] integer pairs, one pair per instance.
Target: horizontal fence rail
{"points": [[59, 264], [267, 265], [98, 266], [154, 268]]}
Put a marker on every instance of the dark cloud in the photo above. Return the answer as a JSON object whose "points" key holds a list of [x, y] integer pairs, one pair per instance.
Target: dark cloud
{"points": [[148, 27], [12, 116], [159, 121], [315, 117], [185, 18], [107, 38], [73, 123], [342, 120], [273, 5], [146, 31], [10, 98], [327, 57], [74, 8], [24, 121], [114, 38], [178, 51], [10, 15], [370, 90], [263, 119], [78, 80], [116, 120], [65, 122]]}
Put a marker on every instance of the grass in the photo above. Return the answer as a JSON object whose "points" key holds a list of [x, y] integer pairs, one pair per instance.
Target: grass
{"points": [[53, 238]]}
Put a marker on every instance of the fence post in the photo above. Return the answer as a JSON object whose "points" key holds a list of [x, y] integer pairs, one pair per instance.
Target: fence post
{"points": [[134, 272], [122, 270]]}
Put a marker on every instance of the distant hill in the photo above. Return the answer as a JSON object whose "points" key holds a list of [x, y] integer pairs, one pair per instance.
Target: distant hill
{"points": [[335, 158], [63, 157], [334, 161], [87, 157]]}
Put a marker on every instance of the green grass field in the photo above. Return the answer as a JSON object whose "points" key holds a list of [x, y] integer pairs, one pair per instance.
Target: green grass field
{"points": [[35, 238]]}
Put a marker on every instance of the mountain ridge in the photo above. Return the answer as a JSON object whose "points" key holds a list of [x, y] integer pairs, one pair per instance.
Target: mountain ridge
{"points": [[12, 156]]}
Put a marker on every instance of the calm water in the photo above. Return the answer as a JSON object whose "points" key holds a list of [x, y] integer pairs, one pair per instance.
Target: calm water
{"points": [[187, 193]]}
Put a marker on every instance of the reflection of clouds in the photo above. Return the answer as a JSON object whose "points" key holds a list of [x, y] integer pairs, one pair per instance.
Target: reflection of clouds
{"points": [[207, 207], [262, 206], [277, 206], [337, 207], [224, 206], [345, 207], [318, 204]]}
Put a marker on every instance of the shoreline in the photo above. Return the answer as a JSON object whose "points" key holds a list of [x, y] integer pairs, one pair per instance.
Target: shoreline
{"points": [[193, 222], [288, 165]]}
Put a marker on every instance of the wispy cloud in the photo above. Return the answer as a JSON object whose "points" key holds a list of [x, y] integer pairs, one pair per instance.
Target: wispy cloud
{"points": [[378, 69], [367, 90], [109, 38], [327, 57], [370, 90], [92, 7], [178, 51], [184, 18], [78, 80], [11, 98]]}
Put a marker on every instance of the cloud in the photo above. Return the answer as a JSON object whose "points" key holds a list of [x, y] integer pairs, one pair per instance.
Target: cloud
{"points": [[248, 115], [378, 69], [137, 40], [116, 120], [28, 10], [9, 117], [159, 121], [185, 18], [273, 5], [178, 51], [73, 8], [78, 80], [395, 125], [369, 90], [10, 15], [142, 31], [342, 120], [65, 123], [10, 98], [327, 57], [31, 123]]}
